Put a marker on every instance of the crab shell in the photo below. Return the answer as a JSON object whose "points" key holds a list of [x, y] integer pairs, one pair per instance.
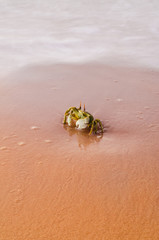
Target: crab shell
{"points": [[83, 123]]}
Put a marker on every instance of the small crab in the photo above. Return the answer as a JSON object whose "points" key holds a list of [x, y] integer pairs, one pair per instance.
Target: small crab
{"points": [[75, 117]]}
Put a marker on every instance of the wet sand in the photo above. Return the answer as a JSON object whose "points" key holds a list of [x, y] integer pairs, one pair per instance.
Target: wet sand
{"points": [[59, 183]]}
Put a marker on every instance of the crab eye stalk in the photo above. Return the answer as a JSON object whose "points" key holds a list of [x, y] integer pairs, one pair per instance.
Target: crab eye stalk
{"points": [[80, 106]]}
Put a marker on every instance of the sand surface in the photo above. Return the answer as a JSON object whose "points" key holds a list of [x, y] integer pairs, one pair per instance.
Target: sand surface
{"points": [[57, 183]]}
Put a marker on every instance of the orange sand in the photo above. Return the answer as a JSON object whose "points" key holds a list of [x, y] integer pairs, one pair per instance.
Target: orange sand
{"points": [[58, 183]]}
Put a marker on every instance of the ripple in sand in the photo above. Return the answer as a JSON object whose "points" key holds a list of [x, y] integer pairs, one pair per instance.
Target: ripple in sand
{"points": [[152, 125], [12, 191], [3, 163], [119, 99], [21, 143], [3, 148], [54, 88], [139, 112], [34, 128], [47, 141], [5, 138], [147, 107], [139, 117], [40, 162], [8, 137]]}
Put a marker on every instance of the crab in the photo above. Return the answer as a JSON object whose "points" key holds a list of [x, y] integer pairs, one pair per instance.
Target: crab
{"points": [[75, 117]]}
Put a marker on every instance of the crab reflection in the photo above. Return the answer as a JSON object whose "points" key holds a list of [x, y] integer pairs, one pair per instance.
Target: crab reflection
{"points": [[82, 136]]}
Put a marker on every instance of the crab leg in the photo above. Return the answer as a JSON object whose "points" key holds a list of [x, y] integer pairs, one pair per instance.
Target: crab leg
{"points": [[64, 121], [96, 126], [100, 124], [75, 111], [66, 114], [92, 127]]}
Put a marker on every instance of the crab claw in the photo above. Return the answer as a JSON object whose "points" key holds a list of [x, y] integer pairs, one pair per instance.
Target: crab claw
{"points": [[70, 121], [82, 123]]}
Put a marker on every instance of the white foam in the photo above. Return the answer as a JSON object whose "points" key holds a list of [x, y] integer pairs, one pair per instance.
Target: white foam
{"points": [[114, 32]]}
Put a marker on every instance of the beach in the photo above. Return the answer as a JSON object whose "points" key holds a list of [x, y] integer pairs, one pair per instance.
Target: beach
{"points": [[60, 183]]}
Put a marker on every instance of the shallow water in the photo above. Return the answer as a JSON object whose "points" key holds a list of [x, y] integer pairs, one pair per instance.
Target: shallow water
{"points": [[114, 32]]}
